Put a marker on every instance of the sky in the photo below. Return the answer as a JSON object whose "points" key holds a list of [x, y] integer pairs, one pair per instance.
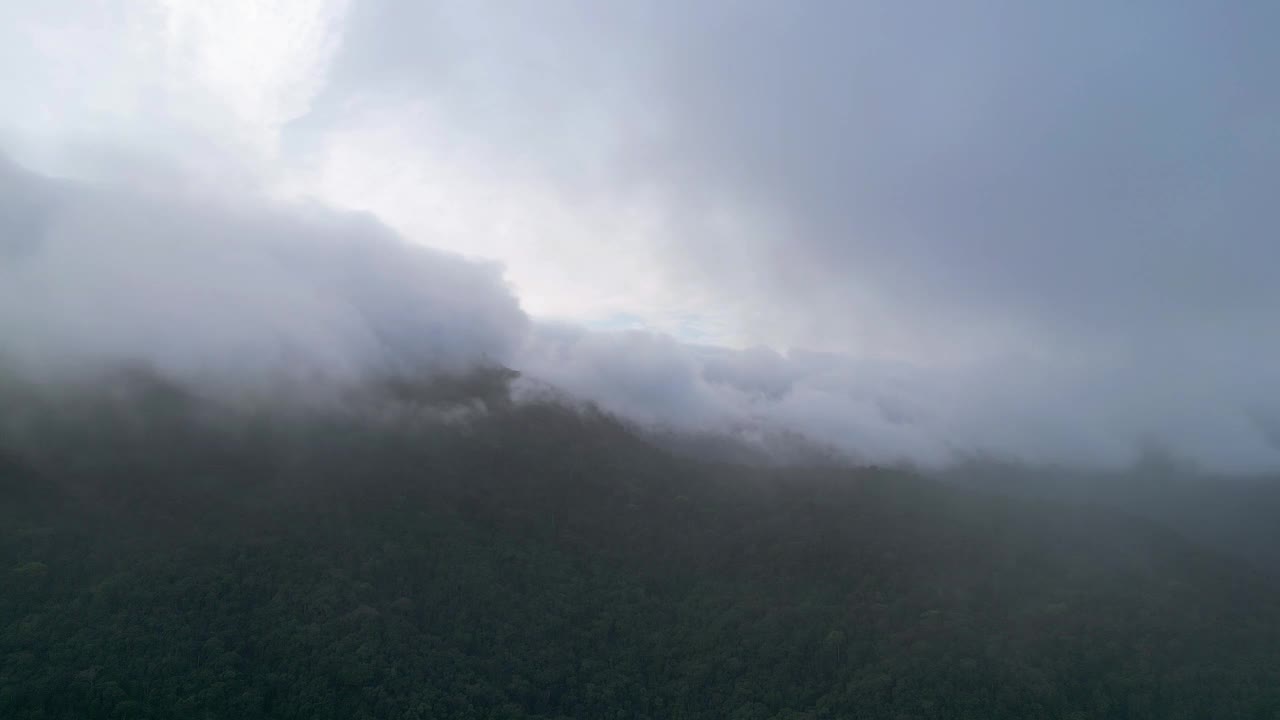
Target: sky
{"points": [[914, 231]]}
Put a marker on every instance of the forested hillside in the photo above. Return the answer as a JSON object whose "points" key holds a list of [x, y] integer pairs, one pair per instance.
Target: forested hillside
{"points": [[407, 552], [1234, 515]]}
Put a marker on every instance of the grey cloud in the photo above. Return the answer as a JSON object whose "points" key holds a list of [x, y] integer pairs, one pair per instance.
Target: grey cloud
{"points": [[986, 174], [752, 395], [209, 284], [1067, 171], [1050, 222], [641, 375], [898, 412], [755, 371], [1059, 217]]}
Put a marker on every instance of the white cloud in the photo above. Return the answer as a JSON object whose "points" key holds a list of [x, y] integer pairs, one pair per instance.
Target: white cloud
{"points": [[208, 85], [258, 62], [233, 287], [893, 411], [569, 257]]}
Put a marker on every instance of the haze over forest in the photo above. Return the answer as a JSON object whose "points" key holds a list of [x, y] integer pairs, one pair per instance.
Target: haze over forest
{"points": [[369, 358]]}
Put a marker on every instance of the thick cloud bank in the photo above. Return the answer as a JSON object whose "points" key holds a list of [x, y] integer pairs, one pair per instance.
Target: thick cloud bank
{"points": [[228, 286], [895, 412], [199, 284]]}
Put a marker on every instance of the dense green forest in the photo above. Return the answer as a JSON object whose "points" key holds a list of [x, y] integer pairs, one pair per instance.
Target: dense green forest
{"points": [[437, 551]]}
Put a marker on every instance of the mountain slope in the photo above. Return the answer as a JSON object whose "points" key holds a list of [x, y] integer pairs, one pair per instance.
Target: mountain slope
{"points": [[167, 555]]}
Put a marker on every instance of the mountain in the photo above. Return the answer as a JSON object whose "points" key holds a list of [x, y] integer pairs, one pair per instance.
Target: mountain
{"points": [[1234, 515], [409, 551]]}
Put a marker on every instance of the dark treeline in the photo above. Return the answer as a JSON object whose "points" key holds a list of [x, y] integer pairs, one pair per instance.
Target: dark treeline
{"points": [[439, 552]]}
